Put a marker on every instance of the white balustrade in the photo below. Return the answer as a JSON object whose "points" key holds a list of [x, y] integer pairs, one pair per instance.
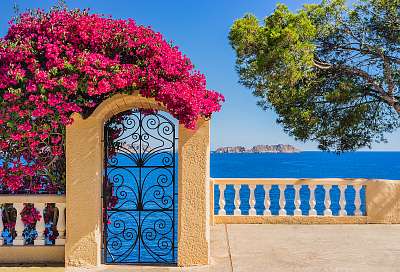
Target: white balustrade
{"points": [[40, 225], [39, 202], [297, 201], [61, 223], [282, 200], [357, 200], [267, 200], [252, 200], [221, 199], [237, 210], [342, 200], [313, 203], [327, 201]]}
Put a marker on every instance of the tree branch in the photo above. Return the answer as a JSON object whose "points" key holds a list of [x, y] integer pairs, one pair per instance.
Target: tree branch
{"points": [[385, 96], [388, 76], [322, 65]]}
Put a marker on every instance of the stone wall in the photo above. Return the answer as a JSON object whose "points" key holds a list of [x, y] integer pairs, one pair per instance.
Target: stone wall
{"points": [[84, 155]]}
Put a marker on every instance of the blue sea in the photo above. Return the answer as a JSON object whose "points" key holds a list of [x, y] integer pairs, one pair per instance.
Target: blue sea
{"points": [[311, 164]]}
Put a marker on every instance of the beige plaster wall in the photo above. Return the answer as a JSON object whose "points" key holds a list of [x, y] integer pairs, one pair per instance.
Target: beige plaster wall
{"points": [[84, 158], [193, 195], [383, 201], [83, 192], [31, 254]]}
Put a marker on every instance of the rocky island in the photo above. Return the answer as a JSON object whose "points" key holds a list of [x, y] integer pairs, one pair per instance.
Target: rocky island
{"points": [[279, 148]]}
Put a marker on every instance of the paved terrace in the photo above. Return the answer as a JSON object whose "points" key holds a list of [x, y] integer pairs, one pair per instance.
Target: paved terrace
{"points": [[290, 248]]}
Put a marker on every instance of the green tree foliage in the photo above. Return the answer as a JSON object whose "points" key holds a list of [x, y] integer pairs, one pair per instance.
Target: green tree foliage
{"points": [[330, 72]]}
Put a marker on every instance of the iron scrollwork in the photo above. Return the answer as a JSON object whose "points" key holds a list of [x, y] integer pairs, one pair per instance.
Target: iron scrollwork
{"points": [[139, 190]]}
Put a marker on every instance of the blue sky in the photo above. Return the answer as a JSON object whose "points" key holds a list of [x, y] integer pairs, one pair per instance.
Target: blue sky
{"points": [[200, 29]]}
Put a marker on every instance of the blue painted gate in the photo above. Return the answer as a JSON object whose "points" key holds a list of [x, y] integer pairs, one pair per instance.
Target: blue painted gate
{"points": [[140, 191]]}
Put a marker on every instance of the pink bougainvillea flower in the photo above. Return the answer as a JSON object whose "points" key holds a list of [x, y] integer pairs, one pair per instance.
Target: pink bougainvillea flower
{"points": [[56, 63], [30, 215]]}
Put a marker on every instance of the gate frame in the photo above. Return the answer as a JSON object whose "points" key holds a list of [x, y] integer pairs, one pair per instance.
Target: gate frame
{"points": [[133, 130], [84, 161]]}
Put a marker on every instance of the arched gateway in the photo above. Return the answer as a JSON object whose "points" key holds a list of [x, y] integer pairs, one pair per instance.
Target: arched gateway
{"points": [[134, 194], [139, 188]]}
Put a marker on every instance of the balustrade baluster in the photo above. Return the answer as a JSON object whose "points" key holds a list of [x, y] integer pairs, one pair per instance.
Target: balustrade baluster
{"points": [[282, 200], [313, 203], [327, 202], [237, 210], [61, 223], [252, 200], [267, 200], [342, 200], [40, 225], [297, 200], [19, 225], [357, 200], [221, 202], [1, 225], [314, 190]]}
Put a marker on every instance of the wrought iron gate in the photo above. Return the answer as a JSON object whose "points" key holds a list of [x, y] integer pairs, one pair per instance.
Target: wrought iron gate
{"points": [[139, 192]]}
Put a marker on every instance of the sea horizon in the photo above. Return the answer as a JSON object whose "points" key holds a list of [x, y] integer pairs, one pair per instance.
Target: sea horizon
{"points": [[312, 150], [307, 164]]}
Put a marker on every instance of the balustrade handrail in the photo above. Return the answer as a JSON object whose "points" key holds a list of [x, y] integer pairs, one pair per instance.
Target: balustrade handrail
{"points": [[290, 181], [32, 198]]}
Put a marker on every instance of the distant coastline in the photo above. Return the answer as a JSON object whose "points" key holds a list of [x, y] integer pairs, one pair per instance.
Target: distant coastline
{"points": [[279, 148]]}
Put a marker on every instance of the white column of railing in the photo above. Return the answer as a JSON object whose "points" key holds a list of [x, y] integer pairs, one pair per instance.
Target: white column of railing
{"points": [[313, 203], [237, 210], [19, 225], [282, 184], [221, 199], [342, 200], [1, 225], [61, 224], [252, 200], [327, 201], [297, 200], [39, 202], [357, 200], [267, 200], [282, 200], [40, 225]]}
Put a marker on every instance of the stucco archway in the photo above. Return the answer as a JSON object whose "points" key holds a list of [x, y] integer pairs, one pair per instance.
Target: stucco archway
{"points": [[84, 159]]}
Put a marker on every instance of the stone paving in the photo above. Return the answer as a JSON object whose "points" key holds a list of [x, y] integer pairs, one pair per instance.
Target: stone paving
{"points": [[288, 248]]}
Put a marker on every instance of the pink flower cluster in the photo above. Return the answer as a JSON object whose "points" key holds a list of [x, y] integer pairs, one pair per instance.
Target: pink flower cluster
{"points": [[30, 215], [55, 63]]}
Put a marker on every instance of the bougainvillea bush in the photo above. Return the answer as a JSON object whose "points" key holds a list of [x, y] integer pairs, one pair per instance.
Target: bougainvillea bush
{"points": [[55, 63]]}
